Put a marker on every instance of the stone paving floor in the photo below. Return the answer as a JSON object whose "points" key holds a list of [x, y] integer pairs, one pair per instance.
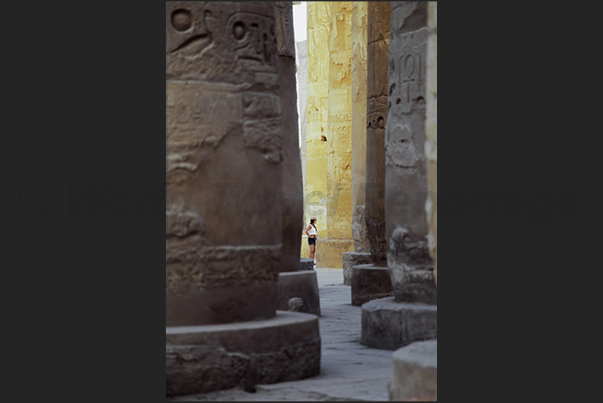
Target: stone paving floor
{"points": [[349, 371]]}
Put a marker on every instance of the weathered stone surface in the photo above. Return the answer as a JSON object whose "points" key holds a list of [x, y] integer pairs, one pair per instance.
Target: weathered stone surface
{"points": [[305, 263], [300, 284], [370, 282], [224, 153], [351, 259], [292, 197], [388, 325], [431, 128], [359, 40], [207, 358], [415, 372], [359, 229], [406, 168], [329, 252], [378, 49], [317, 85]]}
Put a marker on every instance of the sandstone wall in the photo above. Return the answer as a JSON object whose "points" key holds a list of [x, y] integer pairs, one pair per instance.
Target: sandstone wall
{"points": [[431, 127]]}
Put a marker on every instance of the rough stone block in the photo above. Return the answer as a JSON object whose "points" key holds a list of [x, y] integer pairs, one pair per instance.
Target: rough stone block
{"points": [[370, 282], [201, 359], [415, 374], [298, 291], [305, 263], [388, 325], [351, 259]]}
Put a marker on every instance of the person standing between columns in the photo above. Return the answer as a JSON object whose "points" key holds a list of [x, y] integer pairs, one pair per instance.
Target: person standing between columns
{"points": [[311, 232]]}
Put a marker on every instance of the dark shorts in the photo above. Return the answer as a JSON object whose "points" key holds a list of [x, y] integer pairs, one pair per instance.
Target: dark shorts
{"points": [[311, 241]]}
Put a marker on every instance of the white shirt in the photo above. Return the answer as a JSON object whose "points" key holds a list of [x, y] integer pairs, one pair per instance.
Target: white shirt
{"points": [[312, 230]]}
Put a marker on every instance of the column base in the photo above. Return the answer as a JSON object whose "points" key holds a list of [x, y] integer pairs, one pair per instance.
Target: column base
{"points": [[201, 359], [351, 259], [389, 325], [415, 372], [370, 282], [305, 263], [298, 292]]}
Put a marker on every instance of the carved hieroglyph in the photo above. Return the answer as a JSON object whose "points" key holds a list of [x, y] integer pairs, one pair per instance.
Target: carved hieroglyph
{"points": [[378, 49], [224, 162], [292, 196], [406, 172]]}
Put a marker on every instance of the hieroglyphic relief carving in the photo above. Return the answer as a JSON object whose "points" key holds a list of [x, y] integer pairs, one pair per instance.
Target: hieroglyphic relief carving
{"points": [[213, 38]]}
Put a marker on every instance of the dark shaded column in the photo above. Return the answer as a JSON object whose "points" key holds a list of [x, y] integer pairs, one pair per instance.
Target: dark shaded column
{"points": [[224, 163], [408, 257], [378, 50]]}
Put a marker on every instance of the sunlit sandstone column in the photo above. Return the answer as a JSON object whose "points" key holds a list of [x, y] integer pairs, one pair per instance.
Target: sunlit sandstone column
{"points": [[224, 170], [319, 17], [339, 140], [361, 254], [359, 41]]}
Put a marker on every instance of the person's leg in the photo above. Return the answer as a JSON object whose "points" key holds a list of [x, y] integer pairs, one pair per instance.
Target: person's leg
{"points": [[312, 251]]}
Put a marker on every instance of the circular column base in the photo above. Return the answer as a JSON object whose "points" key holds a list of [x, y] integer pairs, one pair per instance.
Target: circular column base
{"points": [[298, 291], [201, 359], [415, 374], [370, 282], [351, 259], [389, 325]]}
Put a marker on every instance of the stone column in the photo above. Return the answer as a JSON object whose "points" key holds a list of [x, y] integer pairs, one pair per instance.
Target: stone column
{"points": [[412, 315], [379, 16], [224, 162], [293, 223], [406, 175], [339, 140], [371, 280], [319, 18], [431, 145], [415, 367], [297, 290], [359, 41]]}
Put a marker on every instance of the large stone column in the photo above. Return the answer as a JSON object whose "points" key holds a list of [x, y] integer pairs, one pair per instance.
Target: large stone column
{"points": [[415, 367], [359, 41], [379, 16], [224, 162], [297, 289], [412, 314], [317, 46], [372, 281], [339, 140], [361, 253]]}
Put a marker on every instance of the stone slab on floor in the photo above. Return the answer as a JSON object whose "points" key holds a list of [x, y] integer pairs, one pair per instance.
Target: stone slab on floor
{"points": [[370, 282], [415, 375], [349, 371], [389, 325]]}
